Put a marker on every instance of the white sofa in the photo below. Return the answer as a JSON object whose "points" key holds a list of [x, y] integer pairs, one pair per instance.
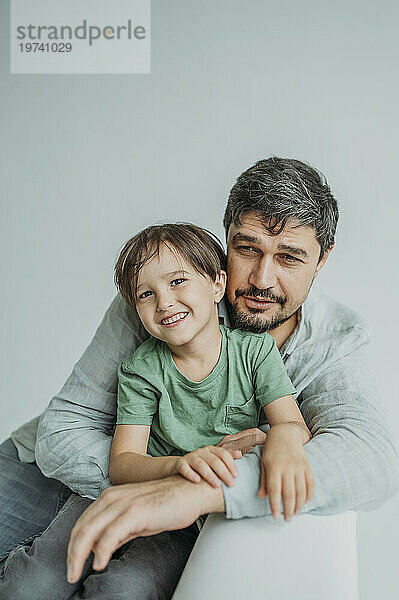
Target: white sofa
{"points": [[310, 558]]}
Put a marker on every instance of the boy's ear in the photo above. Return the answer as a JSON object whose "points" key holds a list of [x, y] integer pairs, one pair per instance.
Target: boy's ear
{"points": [[220, 286]]}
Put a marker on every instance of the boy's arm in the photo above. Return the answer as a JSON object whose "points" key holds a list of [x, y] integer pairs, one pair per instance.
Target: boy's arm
{"points": [[285, 472], [129, 463], [128, 460], [285, 414], [75, 431]]}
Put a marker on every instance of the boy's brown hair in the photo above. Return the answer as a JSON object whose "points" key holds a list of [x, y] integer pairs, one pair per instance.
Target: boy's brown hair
{"points": [[201, 248]]}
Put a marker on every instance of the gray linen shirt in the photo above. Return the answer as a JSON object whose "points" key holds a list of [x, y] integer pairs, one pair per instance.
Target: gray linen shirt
{"points": [[351, 452]]}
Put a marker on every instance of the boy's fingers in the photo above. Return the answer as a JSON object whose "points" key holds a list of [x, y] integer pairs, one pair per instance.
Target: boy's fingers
{"points": [[206, 472], [289, 497], [273, 484], [300, 490], [219, 467], [262, 493], [225, 456], [310, 485], [186, 471]]}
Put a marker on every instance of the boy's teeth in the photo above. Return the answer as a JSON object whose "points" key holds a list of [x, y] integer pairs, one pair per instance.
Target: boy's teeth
{"points": [[175, 318]]}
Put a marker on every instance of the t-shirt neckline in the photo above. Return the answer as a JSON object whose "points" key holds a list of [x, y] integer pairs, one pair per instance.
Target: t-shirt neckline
{"points": [[171, 365]]}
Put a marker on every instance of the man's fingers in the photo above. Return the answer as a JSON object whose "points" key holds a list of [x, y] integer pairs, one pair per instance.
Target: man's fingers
{"points": [[289, 497], [244, 439], [236, 453], [246, 449], [114, 536], [102, 540], [88, 528], [78, 552]]}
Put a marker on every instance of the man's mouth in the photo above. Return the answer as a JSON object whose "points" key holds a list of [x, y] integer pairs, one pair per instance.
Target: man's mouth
{"points": [[174, 320], [256, 302]]}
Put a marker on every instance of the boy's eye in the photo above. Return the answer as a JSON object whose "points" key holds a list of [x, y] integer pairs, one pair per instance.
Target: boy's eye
{"points": [[144, 295], [177, 281]]}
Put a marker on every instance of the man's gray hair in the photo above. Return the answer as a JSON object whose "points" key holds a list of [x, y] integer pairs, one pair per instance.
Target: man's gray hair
{"points": [[280, 189]]}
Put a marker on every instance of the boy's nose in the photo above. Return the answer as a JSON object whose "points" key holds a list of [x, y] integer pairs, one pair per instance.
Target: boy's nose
{"points": [[164, 302]]}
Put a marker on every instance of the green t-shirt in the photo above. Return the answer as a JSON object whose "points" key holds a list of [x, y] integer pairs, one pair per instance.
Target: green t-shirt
{"points": [[185, 415]]}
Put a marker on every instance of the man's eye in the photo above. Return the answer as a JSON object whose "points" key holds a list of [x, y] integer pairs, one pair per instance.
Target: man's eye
{"points": [[246, 248], [290, 258], [144, 295], [177, 281]]}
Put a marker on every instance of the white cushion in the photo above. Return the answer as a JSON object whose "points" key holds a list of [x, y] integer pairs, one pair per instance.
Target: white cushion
{"points": [[310, 558]]}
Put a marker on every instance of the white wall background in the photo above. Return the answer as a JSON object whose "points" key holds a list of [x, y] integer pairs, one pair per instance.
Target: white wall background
{"points": [[87, 160]]}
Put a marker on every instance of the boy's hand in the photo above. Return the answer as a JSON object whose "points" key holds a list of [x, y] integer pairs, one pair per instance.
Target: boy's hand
{"points": [[211, 463], [285, 471]]}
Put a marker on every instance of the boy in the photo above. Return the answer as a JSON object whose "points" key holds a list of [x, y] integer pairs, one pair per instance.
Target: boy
{"points": [[194, 380]]}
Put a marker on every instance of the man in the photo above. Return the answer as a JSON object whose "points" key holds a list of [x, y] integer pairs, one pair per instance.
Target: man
{"points": [[280, 223]]}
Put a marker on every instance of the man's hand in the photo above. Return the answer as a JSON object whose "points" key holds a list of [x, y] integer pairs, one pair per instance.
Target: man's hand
{"points": [[210, 463], [285, 470], [128, 511], [244, 440]]}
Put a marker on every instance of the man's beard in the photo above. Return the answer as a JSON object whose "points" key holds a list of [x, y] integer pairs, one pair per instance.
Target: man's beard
{"points": [[249, 321]]}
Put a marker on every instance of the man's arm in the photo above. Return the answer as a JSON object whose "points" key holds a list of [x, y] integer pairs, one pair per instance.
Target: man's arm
{"points": [[75, 431], [351, 453]]}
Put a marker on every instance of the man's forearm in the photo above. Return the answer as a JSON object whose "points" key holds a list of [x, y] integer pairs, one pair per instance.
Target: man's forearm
{"points": [[356, 484]]}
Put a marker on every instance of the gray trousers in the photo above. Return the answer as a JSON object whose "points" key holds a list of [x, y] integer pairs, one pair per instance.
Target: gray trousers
{"points": [[147, 568]]}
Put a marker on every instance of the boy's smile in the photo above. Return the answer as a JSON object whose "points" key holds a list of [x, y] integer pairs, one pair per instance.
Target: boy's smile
{"points": [[174, 320]]}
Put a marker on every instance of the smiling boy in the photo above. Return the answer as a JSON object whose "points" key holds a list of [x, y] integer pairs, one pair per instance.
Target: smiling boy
{"points": [[195, 380]]}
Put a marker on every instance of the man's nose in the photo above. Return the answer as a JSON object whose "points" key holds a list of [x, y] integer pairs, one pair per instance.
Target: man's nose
{"points": [[263, 274], [164, 301]]}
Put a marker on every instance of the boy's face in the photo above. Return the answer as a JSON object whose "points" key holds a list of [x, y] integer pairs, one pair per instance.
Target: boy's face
{"points": [[174, 302]]}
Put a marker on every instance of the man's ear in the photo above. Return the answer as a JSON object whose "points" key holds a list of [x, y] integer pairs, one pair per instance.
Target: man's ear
{"points": [[220, 286], [323, 260]]}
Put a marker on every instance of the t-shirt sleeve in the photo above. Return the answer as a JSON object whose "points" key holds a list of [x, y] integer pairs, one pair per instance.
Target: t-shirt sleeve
{"points": [[270, 376], [137, 398]]}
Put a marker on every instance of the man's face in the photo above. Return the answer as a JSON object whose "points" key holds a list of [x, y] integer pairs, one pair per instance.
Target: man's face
{"points": [[269, 276]]}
